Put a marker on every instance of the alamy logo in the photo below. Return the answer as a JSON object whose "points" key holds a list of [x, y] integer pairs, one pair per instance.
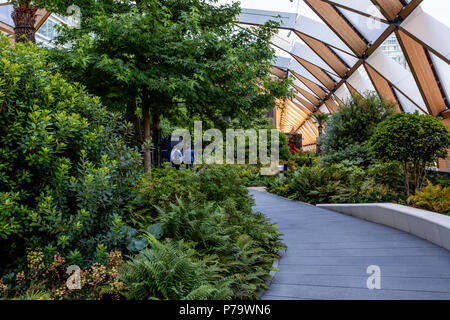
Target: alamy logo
{"points": [[374, 281], [74, 281]]}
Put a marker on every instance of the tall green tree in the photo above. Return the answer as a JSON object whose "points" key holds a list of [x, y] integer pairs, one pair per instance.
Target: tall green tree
{"points": [[349, 129], [413, 139], [170, 57]]}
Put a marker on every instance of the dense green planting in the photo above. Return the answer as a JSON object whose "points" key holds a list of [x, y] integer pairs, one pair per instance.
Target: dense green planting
{"points": [[209, 214], [171, 59], [433, 198], [170, 270], [65, 167], [71, 188], [415, 140], [336, 184], [370, 155], [348, 131]]}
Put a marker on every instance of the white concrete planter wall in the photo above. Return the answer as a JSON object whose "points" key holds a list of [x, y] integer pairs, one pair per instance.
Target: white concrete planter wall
{"points": [[427, 225]]}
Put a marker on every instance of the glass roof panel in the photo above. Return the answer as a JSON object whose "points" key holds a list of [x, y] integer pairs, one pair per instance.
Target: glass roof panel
{"points": [[5, 14], [365, 6], [370, 28], [438, 9]]}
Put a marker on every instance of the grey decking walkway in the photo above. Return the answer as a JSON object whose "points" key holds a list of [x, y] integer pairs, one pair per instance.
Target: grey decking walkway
{"points": [[328, 255]]}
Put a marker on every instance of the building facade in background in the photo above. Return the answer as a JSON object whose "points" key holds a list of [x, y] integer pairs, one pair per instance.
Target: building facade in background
{"points": [[391, 47]]}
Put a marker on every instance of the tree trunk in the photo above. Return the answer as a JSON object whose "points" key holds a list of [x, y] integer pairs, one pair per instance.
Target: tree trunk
{"points": [[24, 18], [317, 145], [405, 171], [155, 136], [147, 137], [132, 117]]}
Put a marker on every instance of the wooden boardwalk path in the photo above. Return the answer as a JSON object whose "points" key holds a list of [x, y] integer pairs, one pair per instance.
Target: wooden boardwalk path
{"points": [[328, 255]]}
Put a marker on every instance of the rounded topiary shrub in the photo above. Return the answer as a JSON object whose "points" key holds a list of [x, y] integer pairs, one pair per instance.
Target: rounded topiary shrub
{"points": [[65, 168]]}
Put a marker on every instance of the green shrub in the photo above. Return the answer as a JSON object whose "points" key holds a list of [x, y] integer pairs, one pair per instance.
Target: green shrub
{"points": [[213, 216], [433, 198], [389, 174], [343, 183], [251, 176], [170, 270], [303, 159], [356, 154], [243, 243], [164, 188], [211, 183], [312, 184], [65, 168], [439, 178], [44, 279], [349, 129], [413, 139]]}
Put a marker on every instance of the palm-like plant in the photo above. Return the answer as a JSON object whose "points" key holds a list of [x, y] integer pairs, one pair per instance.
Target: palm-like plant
{"points": [[321, 119], [24, 17]]}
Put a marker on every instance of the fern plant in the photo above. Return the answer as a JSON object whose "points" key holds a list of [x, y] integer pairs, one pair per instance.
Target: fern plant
{"points": [[169, 270], [433, 198]]}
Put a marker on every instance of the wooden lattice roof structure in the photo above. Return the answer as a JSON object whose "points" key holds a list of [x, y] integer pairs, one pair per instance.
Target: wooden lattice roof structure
{"points": [[336, 50]]}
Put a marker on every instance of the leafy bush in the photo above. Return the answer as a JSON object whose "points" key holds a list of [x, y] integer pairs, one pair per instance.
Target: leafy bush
{"points": [[313, 184], [211, 183], [441, 178], [359, 115], [170, 270], [343, 183], [303, 159], [413, 139], [44, 279], [357, 154], [214, 218], [65, 168], [165, 187], [433, 198]]}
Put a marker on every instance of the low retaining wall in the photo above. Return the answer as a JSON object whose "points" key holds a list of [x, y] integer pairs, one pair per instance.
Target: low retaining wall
{"points": [[427, 225]]}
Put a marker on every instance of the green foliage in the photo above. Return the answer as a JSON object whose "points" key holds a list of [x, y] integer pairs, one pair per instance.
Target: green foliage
{"points": [[164, 188], [210, 214], [65, 168], [410, 137], [175, 57], [357, 154], [313, 184], [46, 280], [433, 198], [348, 130], [320, 118], [285, 153], [170, 270], [413, 139], [302, 159], [212, 183], [343, 183], [439, 178]]}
